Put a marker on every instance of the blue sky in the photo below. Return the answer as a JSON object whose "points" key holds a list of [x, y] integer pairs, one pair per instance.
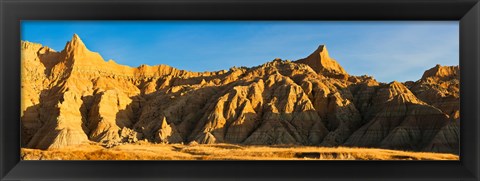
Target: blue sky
{"points": [[394, 50]]}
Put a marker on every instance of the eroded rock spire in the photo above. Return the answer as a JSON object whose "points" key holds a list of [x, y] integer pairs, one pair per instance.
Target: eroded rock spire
{"points": [[322, 63]]}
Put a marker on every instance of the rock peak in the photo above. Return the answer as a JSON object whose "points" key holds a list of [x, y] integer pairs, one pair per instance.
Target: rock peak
{"points": [[76, 51], [441, 72], [401, 94], [321, 62], [397, 85], [76, 41], [75, 46], [322, 49]]}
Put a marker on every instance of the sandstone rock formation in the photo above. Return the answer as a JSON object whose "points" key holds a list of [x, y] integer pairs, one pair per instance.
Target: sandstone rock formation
{"points": [[321, 62], [75, 96], [439, 87]]}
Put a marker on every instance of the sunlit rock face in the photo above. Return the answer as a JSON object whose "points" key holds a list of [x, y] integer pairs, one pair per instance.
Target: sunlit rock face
{"points": [[74, 96]]}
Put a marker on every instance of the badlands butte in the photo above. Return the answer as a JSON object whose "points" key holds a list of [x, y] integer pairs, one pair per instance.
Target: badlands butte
{"points": [[75, 97]]}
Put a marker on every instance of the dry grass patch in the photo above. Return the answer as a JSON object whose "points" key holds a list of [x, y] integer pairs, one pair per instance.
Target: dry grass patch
{"points": [[147, 151]]}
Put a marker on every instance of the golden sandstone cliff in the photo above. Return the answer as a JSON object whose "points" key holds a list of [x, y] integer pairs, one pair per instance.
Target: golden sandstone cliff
{"points": [[75, 96]]}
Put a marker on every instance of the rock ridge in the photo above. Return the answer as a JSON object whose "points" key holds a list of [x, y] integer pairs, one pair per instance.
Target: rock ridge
{"points": [[74, 97]]}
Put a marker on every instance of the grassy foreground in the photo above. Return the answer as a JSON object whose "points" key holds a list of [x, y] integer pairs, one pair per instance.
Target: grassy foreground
{"points": [[146, 151]]}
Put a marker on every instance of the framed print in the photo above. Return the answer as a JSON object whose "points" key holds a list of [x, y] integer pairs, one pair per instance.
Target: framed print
{"points": [[239, 90]]}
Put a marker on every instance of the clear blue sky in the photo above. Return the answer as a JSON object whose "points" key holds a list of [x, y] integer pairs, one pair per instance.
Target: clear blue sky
{"points": [[400, 50]]}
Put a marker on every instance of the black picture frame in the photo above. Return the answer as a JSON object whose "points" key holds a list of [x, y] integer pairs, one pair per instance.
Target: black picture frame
{"points": [[13, 11]]}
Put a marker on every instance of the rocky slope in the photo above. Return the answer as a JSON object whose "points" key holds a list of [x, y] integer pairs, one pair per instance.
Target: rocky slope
{"points": [[75, 96]]}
